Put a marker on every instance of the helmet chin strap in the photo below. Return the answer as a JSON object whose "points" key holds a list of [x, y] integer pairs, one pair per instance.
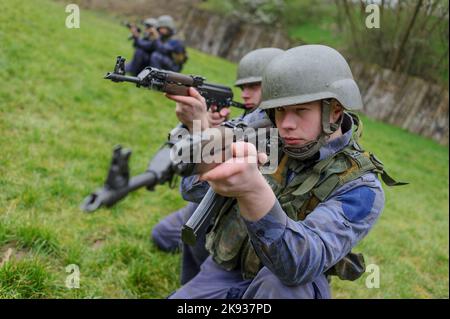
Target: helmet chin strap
{"points": [[311, 148]]}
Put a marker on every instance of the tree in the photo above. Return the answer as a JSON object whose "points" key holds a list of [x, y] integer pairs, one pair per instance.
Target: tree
{"points": [[413, 37]]}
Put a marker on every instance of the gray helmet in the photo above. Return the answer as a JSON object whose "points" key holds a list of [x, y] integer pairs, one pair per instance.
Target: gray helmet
{"points": [[150, 22], [252, 65], [309, 73], [166, 21], [305, 74]]}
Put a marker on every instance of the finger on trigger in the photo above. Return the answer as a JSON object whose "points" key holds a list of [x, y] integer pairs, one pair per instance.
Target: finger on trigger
{"points": [[224, 112], [187, 100], [194, 93], [215, 116], [262, 158]]}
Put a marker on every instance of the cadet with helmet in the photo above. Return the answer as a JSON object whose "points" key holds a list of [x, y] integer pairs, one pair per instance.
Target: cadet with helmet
{"points": [[144, 47], [169, 54], [291, 230]]}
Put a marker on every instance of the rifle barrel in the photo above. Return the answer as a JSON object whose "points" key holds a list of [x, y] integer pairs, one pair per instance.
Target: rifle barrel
{"points": [[106, 196], [122, 78]]}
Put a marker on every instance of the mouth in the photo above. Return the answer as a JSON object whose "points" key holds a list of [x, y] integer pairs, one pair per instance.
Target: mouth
{"points": [[292, 141], [249, 105]]}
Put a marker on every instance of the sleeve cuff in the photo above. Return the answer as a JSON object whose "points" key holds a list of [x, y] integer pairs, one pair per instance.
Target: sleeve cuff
{"points": [[269, 228], [192, 189]]}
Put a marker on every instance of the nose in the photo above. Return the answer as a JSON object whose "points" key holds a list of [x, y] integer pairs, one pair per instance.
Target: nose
{"points": [[245, 93], [286, 122]]}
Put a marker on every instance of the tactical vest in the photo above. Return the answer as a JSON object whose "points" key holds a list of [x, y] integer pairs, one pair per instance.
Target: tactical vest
{"points": [[228, 241]]}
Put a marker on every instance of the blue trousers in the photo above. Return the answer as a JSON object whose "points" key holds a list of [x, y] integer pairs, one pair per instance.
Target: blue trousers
{"points": [[167, 236], [163, 62], [213, 282], [202, 278], [141, 59]]}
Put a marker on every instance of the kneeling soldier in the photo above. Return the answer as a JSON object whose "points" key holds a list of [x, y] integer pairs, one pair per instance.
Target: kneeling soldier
{"points": [[290, 230]]}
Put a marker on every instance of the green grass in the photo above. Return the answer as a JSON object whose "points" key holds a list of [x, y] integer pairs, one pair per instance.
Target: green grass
{"points": [[58, 123], [313, 21], [410, 241]]}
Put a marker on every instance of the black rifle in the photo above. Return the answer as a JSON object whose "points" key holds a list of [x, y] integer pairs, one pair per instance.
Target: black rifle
{"points": [[213, 203], [176, 83], [118, 183], [162, 169], [130, 25]]}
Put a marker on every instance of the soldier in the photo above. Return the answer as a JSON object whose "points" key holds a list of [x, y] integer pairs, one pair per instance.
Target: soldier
{"points": [[290, 230], [169, 54], [167, 233], [144, 46]]}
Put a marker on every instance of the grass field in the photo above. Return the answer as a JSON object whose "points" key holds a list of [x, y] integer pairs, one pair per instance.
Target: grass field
{"points": [[58, 123]]}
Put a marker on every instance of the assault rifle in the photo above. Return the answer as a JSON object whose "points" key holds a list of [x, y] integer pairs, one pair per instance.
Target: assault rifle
{"points": [[166, 164], [131, 25], [176, 83], [161, 169], [118, 183]]}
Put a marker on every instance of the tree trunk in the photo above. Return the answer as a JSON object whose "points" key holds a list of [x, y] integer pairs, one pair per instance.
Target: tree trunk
{"points": [[396, 62], [352, 25]]}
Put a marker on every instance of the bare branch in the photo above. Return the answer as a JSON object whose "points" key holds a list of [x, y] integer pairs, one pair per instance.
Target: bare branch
{"points": [[400, 49]]}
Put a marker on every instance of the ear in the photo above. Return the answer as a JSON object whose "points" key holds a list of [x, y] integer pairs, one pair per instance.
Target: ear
{"points": [[336, 111]]}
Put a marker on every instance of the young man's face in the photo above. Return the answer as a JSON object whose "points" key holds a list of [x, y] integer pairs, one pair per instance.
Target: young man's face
{"points": [[302, 123], [164, 31], [299, 124], [251, 94]]}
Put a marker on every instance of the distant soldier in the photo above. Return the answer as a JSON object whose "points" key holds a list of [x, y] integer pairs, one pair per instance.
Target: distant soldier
{"points": [[169, 54], [144, 46]]}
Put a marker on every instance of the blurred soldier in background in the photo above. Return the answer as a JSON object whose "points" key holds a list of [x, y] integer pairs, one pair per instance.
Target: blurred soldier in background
{"points": [[169, 54], [144, 47]]}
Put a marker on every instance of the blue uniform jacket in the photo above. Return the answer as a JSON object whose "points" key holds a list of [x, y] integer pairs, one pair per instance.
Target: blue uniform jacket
{"points": [[297, 252]]}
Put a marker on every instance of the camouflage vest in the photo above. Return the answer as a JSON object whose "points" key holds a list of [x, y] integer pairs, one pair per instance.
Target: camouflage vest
{"points": [[228, 241]]}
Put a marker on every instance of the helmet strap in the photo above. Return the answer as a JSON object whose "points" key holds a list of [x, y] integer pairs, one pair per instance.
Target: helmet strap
{"points": [[311, 148], [327, 127], [305, 151]]}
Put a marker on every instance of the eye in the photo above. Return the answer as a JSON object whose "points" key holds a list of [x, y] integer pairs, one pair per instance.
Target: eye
{"points": [[279, 109]]}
